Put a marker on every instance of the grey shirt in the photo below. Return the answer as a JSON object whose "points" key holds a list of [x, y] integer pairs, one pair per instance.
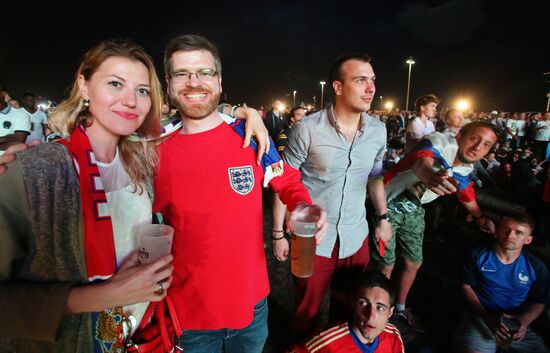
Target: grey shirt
{"points": [[336, 173]]}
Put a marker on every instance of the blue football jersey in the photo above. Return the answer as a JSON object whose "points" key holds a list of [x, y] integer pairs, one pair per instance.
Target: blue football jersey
{"points": [[506, 287]]}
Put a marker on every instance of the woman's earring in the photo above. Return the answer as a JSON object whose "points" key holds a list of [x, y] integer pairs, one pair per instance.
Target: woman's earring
{"points": [[85, 103]]}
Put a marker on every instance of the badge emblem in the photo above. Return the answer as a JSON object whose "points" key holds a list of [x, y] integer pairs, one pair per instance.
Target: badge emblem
{"points": [[523, 279], [241, 179]]}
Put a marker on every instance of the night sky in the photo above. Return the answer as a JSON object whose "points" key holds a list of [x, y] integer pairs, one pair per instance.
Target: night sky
{"points": [[493, 53]]}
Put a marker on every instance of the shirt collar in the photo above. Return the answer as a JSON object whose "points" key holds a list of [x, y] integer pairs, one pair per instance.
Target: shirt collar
{"points": [[334, 121], [6, 110]]}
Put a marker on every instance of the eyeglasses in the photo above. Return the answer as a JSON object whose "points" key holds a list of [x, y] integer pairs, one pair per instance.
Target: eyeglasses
{"points": [[204, 75]]}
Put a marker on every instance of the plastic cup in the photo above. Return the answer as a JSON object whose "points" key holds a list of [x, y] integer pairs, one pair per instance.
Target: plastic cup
{"points": [[303, 226], [154, 242], [513, 326]]}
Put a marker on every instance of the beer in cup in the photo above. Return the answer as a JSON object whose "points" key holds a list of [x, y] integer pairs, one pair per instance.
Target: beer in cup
{"points": [[154, 242], [302, 250]]}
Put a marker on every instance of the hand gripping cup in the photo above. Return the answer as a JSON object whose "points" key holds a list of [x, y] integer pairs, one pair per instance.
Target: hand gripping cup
{"points": [[154, 242], [302, 250], [513, 325]]}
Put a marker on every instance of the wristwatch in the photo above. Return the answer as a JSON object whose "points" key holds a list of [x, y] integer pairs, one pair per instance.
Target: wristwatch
{"points": [[382, 217]]}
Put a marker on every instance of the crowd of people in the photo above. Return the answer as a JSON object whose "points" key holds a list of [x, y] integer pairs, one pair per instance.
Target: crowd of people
{"points": [[70, 208]]}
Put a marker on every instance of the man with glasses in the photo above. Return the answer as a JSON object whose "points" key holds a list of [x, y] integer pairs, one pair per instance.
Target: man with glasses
{"points": [[209, 189]]}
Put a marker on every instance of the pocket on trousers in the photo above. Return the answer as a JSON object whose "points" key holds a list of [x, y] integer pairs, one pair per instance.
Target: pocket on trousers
{"points": [[260, 305]]}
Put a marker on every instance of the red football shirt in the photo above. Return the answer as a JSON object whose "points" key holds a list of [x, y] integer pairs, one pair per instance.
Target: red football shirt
{"points": [[210, 190], [338, 339]]}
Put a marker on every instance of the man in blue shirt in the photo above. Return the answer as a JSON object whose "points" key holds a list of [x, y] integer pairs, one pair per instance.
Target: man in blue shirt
{"points": [[507, 289]]}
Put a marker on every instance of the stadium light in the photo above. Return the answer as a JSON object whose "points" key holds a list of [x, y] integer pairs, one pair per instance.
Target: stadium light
{"points": [[409, 62], [322, 83], [462, 104]]}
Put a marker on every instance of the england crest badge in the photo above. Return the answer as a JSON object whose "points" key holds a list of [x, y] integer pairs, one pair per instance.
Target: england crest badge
{"points": [[241, 179]]}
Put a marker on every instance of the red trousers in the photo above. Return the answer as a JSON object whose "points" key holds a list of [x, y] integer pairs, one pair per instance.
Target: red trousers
{"points": [[311, 291]]}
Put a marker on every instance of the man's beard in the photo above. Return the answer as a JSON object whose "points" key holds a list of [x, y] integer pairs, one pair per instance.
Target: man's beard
{"points": [[464, 159], [197, 112]]}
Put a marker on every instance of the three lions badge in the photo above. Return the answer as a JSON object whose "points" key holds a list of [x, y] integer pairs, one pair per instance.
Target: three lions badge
{"points": [[241, 179]]}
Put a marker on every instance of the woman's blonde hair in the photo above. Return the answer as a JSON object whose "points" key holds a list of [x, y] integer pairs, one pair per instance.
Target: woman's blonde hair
{"points": [[139, 158]]}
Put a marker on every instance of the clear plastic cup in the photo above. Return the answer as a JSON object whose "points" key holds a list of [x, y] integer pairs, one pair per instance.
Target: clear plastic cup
{"points": [[154, 242], [302, 251], [513, 326]]}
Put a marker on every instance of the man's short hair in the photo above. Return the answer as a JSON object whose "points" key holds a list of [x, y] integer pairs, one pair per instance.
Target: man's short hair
{"points": [[477, 124], [373, 278], [425, 100], [190, 42], [335, 71], [295, 109], [29, 94], [449, 113], [521, 218]]}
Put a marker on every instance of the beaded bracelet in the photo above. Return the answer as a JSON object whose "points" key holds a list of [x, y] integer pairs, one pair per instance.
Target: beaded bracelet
{"points": [[278, 231]]}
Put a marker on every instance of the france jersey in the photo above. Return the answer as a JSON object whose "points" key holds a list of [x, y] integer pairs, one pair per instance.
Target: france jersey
{"points": [[506, 287]]}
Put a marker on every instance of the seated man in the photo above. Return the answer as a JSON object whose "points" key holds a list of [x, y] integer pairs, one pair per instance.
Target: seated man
{"points": [[369, 331], [507, 289]]}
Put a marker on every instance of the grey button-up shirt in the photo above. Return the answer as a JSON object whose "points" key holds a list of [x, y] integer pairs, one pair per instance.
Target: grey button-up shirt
{"points": [[336, 172]]}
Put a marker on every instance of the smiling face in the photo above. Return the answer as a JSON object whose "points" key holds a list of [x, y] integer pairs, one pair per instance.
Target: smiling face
{"points": [[371, 313], [356, 90], [196, 96], [119, 94], [475, 144]]}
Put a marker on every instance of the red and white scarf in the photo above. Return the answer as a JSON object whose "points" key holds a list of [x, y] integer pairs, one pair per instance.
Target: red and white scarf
{"points": [[98, 230]]}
